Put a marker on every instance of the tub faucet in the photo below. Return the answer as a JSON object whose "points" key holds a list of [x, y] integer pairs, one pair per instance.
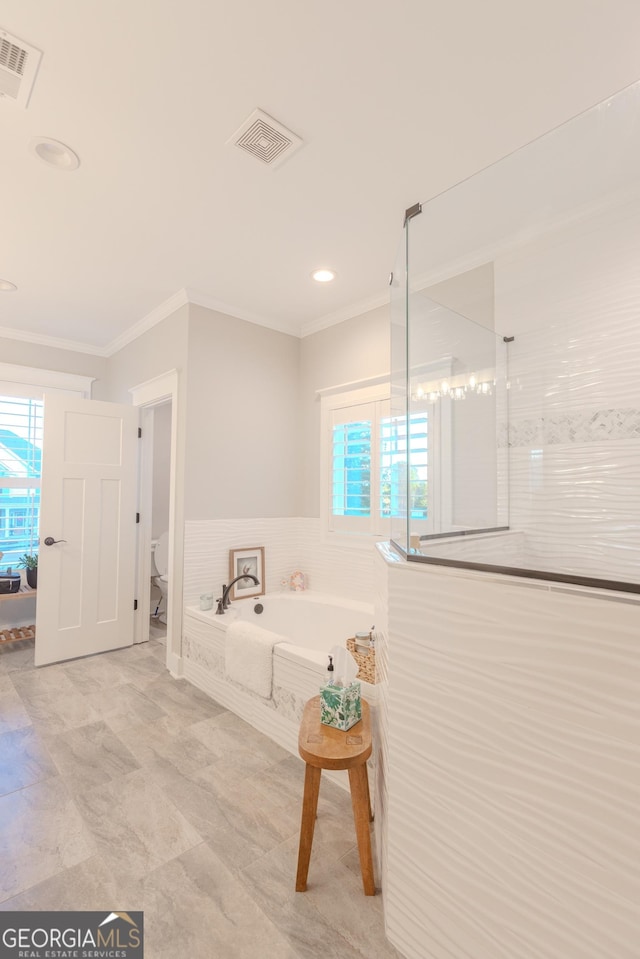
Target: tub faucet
{"points": [[224, 600]]}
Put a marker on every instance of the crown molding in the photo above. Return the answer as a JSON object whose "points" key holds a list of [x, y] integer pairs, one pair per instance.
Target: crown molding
{"points": [[210, 303], [184, 297], [152, 318], [57, 343], [346, 313]]}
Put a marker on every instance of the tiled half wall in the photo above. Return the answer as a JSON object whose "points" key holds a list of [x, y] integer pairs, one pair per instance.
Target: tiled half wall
{"points": [[291, 543]]}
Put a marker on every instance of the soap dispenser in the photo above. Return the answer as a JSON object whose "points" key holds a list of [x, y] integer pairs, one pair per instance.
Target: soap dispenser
{"points": [[330, 681]]}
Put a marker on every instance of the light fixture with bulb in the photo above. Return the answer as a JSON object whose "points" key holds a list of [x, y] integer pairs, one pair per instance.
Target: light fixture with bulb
{"points": [[54, 153], [323, 275], [457, 387]]}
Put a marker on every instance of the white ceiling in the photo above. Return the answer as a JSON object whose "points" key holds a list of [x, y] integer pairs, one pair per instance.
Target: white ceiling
{"points": [[394, 103]]}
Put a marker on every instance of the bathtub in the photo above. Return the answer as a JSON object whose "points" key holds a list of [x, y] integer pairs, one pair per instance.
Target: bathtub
{"points": [[310, 624]]}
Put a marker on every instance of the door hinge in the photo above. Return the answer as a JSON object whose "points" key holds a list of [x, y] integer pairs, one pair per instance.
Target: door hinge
{"points": [[135, 604], [139, 432], [414, 210], [137, 517]]}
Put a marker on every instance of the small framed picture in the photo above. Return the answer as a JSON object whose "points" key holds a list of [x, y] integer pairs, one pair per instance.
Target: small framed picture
{"points": [[248, 564]]}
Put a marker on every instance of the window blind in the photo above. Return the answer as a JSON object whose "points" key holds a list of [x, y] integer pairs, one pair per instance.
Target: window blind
{"points": [[21, 430]]}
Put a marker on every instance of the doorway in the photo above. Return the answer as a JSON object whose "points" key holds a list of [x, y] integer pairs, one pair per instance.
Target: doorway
{"points": [[157, 496], [160, 489]]}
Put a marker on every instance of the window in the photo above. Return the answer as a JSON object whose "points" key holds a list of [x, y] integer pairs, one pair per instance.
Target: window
{"points": [[23, 393], [20, 467], [393, 464], [364, 463]]}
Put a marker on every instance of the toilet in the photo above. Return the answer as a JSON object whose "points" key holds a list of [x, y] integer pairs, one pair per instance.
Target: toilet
{"points": [[160, 571]]}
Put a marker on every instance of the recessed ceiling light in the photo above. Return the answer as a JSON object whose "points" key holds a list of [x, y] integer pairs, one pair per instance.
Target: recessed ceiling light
{"points": [[6, 286], [323, 276], [56, 154]]}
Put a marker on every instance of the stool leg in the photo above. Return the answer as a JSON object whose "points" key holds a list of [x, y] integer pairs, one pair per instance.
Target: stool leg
{"points": [[366, 779], [309, 810], [361, 812]]}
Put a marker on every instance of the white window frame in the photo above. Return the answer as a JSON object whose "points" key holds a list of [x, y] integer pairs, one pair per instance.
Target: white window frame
{"points": [[350, 530], [27, 382]]}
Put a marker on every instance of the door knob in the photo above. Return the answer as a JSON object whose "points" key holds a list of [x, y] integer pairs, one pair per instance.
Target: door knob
{"points": [[49, 541]]}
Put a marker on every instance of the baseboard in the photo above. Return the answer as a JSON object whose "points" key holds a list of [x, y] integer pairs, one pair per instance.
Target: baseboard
{"points": [[175, 665]]}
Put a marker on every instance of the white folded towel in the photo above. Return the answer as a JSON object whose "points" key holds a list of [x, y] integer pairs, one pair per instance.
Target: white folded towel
{"points": [[248, 656]]}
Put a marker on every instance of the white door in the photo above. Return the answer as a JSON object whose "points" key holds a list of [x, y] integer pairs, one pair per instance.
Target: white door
{"points": [[86, 564]]}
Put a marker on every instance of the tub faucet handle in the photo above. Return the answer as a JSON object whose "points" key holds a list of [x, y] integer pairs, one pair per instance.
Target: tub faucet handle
{"points": [[220, 607]]}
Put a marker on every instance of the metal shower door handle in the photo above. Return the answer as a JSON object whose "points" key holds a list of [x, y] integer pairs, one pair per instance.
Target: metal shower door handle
{"points": [[49, 541]]}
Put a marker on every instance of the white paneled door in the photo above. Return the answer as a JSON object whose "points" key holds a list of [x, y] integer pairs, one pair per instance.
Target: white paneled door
{"points": [[86, 566]]}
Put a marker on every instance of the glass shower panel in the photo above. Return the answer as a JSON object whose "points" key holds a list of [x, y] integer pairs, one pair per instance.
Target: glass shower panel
{"points": [[521, 317], [457, 421], [574, 437], [394, 455]]}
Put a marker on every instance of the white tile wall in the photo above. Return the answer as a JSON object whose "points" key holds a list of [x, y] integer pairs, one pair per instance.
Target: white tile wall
{"points": [[291, 543], [574, 444], [512, 774]]}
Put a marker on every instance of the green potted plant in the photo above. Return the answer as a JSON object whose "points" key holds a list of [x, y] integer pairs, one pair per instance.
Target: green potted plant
{"points": [[29, 561]]}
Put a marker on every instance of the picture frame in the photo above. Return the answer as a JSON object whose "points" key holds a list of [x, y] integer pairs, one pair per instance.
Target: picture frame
{"points": [[250, 560]]}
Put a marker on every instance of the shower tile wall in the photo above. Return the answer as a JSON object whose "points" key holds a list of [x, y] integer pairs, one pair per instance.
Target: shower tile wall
{"points": [[512, 780], [574, 439], [291, 543], [574, 400]]}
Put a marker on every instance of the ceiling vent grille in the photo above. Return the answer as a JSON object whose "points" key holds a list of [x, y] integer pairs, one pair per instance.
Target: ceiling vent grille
{"points": [[266, 139], [19, 64]]}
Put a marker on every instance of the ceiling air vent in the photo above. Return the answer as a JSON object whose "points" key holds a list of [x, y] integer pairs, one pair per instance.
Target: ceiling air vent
{"points": [[19, 64], [266, 139]]}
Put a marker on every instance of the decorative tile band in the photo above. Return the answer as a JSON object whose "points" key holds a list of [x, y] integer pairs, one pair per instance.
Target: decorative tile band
{"points": [[591, 426]]}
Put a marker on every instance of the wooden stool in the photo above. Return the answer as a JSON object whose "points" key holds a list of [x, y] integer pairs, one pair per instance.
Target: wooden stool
{"points": [[324, 747]]}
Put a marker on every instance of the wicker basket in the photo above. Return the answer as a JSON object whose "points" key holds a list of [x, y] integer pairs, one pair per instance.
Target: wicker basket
{"points": [[366, 661]]}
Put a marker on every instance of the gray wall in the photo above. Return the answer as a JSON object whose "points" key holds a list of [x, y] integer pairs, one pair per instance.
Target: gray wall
{"points": [[160, 349], [161, 469], [249, 416], [242, 419], [52, 358], [350, 351]]}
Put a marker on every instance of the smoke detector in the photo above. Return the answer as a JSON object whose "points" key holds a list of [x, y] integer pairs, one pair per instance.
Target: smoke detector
{"points": [[19, 64], [266, 139]]}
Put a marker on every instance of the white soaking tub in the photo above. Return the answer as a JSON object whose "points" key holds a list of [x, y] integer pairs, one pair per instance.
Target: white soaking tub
{"points": [[310, 625]]}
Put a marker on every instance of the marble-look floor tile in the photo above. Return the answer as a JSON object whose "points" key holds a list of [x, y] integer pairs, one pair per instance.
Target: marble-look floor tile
{"points": [[88, 886], [354, 929], [94, 674], [53, 712], [134, 825], [159, 652], [24, 760], [282, 780], [181, 701], [227, 733], [126, 709], [46, 681], [203, 837], [162, 740], [42, 834], [236, 766], [90, 755], [229, 925], [140, 667], [336, 892], [17, 656], [239, 824], [13, 714]]}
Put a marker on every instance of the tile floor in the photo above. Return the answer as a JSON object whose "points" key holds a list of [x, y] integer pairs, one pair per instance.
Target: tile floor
{"points": [[124, 789]]}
